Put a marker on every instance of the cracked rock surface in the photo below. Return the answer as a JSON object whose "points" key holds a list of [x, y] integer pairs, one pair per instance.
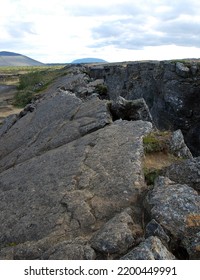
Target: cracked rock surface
{"points": [[72, 182], [66, 169]]}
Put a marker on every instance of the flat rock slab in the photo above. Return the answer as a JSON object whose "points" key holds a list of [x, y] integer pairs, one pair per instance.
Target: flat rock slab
{"points": [[52, 122], [65, 174]]}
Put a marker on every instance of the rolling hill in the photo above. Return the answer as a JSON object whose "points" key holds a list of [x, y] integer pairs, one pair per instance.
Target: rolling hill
{"points": [[16, 59]]}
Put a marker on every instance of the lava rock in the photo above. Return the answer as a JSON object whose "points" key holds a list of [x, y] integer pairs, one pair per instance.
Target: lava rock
{"points": [[155, 229], [117, 235], [182, 70], [177, 145], [70, 250], [151, 249], [177, 208], [185, 172]]}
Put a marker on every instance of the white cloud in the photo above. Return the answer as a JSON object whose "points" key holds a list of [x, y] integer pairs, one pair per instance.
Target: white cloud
{"points": [[115, 30]]}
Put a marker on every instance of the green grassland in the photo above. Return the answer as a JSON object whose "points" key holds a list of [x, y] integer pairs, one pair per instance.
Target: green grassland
{"points": [[30, 80]]}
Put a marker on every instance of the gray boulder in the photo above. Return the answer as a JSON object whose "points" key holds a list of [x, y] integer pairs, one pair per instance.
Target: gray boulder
{"points": [[186, 172], [153, 228], [151, 249], [176, 207], [177, 145], [182, 70], [117, 235]]}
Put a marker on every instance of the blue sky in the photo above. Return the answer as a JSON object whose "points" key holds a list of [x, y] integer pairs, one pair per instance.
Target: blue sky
{"points": [[64, 30]]}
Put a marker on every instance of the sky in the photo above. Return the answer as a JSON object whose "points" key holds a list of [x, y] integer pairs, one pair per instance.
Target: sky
{"points": [[59, 31]]}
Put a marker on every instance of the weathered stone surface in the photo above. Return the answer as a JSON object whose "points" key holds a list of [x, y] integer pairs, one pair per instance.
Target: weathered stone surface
{"points": [[153, 228], [177, 145], [177, 208], [66, 169], [182, 70], [193, 246], [186, 172], [151, 249], [70, 250], [57, 120], [8, 123], [117, 235], [53, 247]]}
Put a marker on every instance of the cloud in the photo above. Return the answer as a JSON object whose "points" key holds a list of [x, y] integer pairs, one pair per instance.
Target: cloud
{"points": [[109, 9], [20, 29], [173, 22], [71, 29]]}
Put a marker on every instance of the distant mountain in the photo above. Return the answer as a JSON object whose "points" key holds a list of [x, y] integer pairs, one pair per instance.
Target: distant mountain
{"points": [[16, 59], [88, 60]]}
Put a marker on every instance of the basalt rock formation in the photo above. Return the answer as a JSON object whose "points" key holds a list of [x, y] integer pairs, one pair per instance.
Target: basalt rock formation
{"points": [[72, 182], [170, 89]]}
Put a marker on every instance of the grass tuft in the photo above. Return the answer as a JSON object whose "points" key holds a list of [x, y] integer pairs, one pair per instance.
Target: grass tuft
{"points": [[156, 141]]}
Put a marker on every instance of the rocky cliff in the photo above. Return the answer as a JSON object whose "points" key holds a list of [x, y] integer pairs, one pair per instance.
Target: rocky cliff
{"points": [[72, 182], [170, 89]]}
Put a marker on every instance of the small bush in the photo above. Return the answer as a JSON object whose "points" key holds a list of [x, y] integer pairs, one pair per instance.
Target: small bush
{"points": [[34, 82], [150, 175], [156, 141], [30, 80], [22, 98], [102, 89]]}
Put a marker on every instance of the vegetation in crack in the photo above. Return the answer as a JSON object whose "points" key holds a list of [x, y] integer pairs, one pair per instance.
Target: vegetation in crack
{"points": [[102, 90], [157, 154], [156, 141]]}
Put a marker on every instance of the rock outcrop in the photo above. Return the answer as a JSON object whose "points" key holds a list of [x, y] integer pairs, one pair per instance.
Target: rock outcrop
{"points": [[63, 172], [72, 180], [170, 89], [177, 208]]}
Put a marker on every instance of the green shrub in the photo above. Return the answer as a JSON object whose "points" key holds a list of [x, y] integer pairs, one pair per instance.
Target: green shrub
{"points": [[156, 141], [34, 82], [22, 98], [101, 89], [30, 80], [150, 175]]}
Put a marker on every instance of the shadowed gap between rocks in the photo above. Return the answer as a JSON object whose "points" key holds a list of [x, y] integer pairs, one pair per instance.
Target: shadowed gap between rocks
{"points": [[129, 110]]}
